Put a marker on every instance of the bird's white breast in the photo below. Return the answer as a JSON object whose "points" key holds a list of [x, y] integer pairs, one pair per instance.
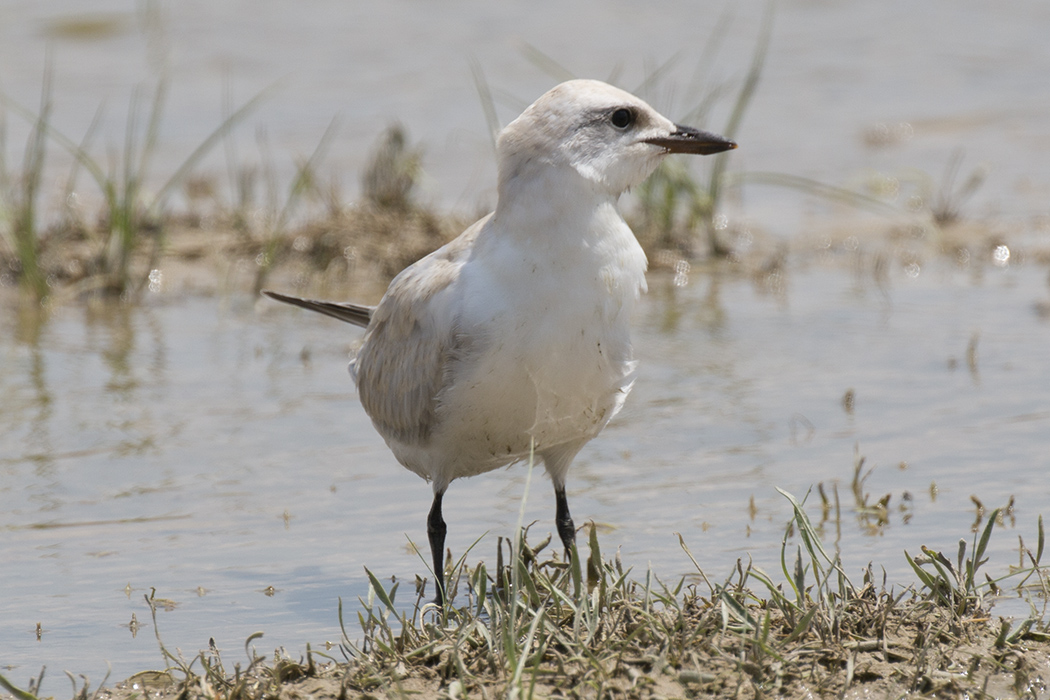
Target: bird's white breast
{"points": [[546, 352]]}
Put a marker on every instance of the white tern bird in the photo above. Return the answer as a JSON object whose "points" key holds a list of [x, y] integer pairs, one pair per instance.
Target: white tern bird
{"points": [[514, 338]]}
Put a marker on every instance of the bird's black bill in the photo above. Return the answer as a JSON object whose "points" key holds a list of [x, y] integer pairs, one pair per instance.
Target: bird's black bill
{"points": [[686, 139]]}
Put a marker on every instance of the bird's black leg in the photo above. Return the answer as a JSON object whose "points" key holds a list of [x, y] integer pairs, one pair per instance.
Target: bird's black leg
{"points": [[566, 528], [436, 530]]}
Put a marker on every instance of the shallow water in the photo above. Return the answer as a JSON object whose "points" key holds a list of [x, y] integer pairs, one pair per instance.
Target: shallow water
{"points": [[214, 448]]}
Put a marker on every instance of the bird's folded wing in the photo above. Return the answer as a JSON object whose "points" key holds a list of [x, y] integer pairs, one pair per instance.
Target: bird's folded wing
{"points": [[411, 344]]}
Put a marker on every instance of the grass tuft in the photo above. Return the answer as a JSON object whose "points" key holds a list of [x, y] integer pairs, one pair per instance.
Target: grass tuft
{"points": [[538, 625], [19, 193], [131, 215], [393, 172]]}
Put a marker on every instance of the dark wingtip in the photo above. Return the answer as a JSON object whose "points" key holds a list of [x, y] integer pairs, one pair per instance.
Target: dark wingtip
{"points": [[357, 314]]}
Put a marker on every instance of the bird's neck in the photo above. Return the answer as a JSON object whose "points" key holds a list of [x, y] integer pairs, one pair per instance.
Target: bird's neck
{"points": [[566, 229], [555, 204]]}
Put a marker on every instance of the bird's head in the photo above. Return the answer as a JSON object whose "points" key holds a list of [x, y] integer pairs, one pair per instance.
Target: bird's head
{"points": [[607, 136]]}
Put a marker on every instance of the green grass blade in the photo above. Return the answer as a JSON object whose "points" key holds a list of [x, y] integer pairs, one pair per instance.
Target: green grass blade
{"points": [[227, 125], [575, 572], [803, 625], [488, 104], [1040, 542], [83, 146], [736, 609], [153, 128], [25, 232], [129, 174], [812, 541], [943, 572], [787, 573], [529, 583], [594, 561], [481, 581], [380, 592], [839, 195], [754, 73], [68, 144], [743, 100], [546, 63], [982, 545], [712, 47], [927, 580], [685, 548], [653, 77], [15, 690], [251, 638]]}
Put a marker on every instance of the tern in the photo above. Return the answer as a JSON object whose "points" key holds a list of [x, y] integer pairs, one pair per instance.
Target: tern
{"points": [[513, 339]]}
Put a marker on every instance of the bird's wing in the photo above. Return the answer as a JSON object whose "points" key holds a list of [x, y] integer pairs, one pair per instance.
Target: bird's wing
{"points": [[404, 361], [357, 314]]}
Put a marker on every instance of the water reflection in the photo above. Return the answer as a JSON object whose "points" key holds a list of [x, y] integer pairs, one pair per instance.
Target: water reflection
{"points": [[110, 325], [671, 306], [38, 439]]}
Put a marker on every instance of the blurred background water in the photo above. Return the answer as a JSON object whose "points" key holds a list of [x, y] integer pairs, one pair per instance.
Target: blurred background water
{"points": [[892, 88], [214, 449]]}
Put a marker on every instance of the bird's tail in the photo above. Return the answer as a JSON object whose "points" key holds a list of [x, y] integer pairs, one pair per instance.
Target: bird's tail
{"points": [[356, 314]]}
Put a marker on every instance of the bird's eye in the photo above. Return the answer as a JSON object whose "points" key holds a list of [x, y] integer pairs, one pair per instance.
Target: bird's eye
{"points": [[622, 118]]}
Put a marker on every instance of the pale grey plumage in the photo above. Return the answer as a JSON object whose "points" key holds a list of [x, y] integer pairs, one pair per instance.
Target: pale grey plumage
{"points": [[399, 390]]}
